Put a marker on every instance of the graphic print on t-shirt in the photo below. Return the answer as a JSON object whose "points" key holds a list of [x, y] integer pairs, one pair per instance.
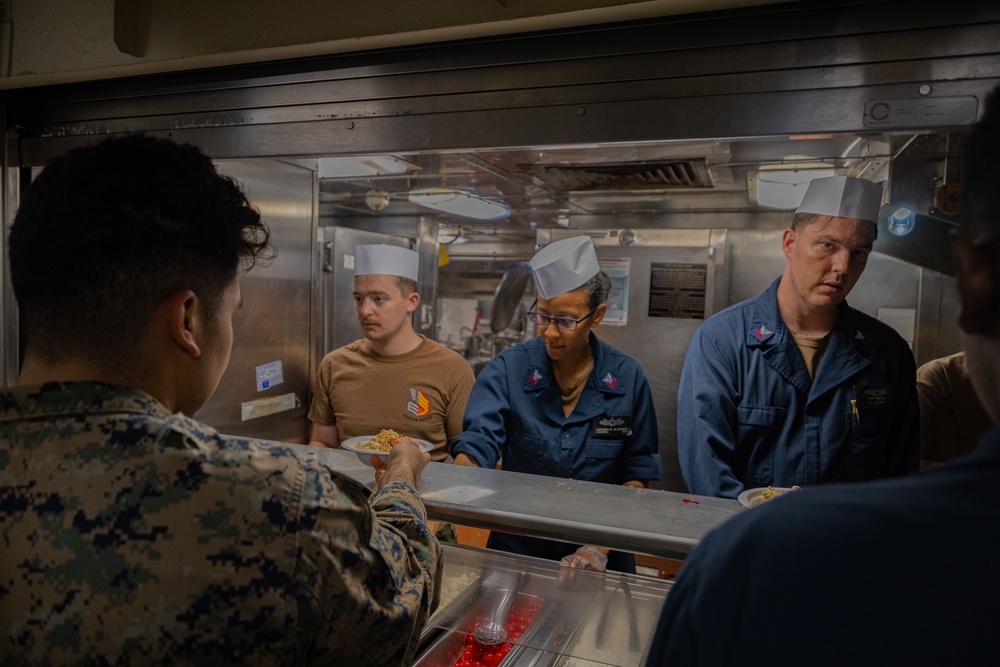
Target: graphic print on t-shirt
{"points": [[418, 405]]}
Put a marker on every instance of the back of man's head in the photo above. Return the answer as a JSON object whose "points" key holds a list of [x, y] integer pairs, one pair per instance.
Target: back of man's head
{"points": [[977, 257], [981, 177], [107, 232]]}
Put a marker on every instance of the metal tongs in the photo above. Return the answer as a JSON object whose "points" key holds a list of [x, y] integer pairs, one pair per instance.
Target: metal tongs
{"points": [[495, 632], [633, 634]]}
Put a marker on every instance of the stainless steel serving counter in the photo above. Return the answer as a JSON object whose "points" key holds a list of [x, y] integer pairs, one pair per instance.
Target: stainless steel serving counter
{"points": [[658, 523], [558, 617]]}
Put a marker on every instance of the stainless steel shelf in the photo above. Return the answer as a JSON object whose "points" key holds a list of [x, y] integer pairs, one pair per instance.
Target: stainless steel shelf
{"points": [[658, 523]]}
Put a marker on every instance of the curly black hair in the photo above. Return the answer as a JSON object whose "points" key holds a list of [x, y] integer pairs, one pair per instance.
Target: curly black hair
{"points": [[597, 289], [107, 232]]}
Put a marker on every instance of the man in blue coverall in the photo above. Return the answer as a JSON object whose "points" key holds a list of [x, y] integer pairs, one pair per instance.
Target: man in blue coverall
{"points": [[890, 572], [794, 387]]}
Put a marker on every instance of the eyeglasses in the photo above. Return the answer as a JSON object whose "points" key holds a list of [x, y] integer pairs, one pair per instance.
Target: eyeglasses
{"points": [[564, 323]]}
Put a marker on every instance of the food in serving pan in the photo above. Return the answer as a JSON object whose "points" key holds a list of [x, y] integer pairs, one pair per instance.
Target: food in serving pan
{"points": [[476, 654], [451, 587]]}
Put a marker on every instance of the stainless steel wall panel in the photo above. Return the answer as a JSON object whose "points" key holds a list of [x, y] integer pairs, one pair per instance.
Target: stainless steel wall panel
{"points": [[426, 245], [800, 68], [665, 49], [275, 321], [755, 259], [938, 333], [665, 75], [759, 114]]}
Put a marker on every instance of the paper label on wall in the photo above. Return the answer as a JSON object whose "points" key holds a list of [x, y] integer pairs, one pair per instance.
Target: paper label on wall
{"points": [[269, 375], [349, 262], [617, 270], [268, 406]]}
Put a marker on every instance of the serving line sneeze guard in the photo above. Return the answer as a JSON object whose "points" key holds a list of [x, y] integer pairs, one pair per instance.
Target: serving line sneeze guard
{"points": [[658, 523]]}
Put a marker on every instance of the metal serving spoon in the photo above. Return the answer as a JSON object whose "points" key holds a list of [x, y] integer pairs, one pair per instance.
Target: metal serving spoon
{"points": [[495, 632]]}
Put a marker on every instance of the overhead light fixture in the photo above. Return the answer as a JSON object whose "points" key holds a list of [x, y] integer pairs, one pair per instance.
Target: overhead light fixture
{"points": [[364, 165], [782, 186], [459, 202]]}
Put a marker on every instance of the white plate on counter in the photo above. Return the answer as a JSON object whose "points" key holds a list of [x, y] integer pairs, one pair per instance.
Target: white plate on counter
{"points": [[753, 497], [352, 445]]}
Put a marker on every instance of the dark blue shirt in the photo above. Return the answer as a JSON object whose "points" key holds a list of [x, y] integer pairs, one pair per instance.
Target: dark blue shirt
{"points": [[891, 572], [515, 413], [748, 414]]}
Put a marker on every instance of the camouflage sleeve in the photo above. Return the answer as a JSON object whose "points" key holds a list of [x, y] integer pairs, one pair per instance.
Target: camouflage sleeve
{"points": [[371, 570], [398, 505]]}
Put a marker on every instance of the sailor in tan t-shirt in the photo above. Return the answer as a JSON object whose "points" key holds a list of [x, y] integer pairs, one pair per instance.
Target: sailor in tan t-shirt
{"points": [[393, 377]]}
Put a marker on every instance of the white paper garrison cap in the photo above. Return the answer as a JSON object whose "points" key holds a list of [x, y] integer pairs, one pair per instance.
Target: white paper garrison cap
{"points": [[386, 260], [564, 265], [843, 197]]}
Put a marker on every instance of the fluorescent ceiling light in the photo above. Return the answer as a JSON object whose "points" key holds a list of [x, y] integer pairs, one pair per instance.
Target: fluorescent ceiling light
{"points": [[459, 202], [365, 165], [782, 187]]}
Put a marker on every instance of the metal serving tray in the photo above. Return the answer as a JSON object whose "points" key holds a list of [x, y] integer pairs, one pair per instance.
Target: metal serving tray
{"points": [[585, 618]]}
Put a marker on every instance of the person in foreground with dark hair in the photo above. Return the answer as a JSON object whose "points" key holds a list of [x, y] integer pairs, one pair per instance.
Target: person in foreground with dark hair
{"points": [[889, 572], [133, 534], [564, 404]]}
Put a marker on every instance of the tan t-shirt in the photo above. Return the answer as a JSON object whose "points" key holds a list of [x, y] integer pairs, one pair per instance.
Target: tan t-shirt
{"points": [[421, 394], [952, 418], [812, 350]]}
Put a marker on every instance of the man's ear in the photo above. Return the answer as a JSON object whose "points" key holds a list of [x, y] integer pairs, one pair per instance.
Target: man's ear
{"points": [[412, 302], [978, 291], [184, 321], [788, 239]]}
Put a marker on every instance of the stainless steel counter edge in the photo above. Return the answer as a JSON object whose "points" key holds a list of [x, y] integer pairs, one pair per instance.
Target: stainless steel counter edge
{"points": [[659, 523]]}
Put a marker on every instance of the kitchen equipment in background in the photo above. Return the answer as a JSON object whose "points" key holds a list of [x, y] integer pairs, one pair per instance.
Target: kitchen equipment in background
{"points": [[508, 295], [456, 323]]}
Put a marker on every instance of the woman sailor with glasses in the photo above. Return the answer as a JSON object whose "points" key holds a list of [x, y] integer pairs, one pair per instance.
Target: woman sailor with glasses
{"points": [[564, 404]]}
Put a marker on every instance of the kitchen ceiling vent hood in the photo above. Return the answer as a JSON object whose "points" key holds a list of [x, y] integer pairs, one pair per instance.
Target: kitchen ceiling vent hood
{"points": [[659, 175]]}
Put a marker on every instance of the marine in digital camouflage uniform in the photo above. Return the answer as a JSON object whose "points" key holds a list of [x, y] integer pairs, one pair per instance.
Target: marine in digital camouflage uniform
{"points": [[132, 534], [193, 546]]}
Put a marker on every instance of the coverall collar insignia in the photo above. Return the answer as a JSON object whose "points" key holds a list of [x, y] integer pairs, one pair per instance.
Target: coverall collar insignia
{"points": [[608, 381], [766, 322], [863, 340], [760, 333]]}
